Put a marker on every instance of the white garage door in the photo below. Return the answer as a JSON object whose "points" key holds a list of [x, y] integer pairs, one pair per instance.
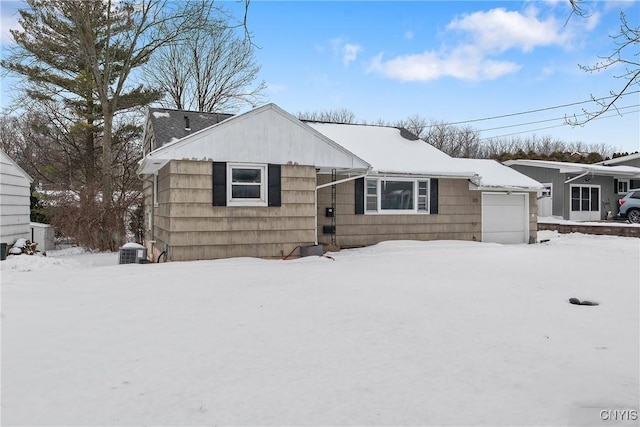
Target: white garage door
{"points": [[505, 218]]}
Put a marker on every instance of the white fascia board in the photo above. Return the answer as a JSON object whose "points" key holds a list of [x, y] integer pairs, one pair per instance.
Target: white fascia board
{"points": [[150, 165], [474, 187], [443, 175]]}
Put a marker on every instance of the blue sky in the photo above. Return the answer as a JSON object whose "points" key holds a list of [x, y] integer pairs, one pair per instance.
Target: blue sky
{"points": [[449, 61]]}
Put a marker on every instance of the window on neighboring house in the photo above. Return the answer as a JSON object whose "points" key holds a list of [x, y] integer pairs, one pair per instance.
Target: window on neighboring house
{"points": [[246, 185], [585, 198], [396, 195], [623, 186]]}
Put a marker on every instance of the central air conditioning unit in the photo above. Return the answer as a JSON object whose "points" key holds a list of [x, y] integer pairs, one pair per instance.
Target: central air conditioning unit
{"points": [[132, 253]]}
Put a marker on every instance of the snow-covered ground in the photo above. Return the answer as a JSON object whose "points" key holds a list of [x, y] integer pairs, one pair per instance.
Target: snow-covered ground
{"points": [[401, 333]]}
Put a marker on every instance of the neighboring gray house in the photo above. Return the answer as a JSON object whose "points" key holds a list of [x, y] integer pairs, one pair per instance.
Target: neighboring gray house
{"points": [[265, 184], [577, 191], [15, 201], [623, 185]]}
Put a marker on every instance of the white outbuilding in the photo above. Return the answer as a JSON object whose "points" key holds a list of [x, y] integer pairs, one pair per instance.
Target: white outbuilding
{"points": [[15, 192]]}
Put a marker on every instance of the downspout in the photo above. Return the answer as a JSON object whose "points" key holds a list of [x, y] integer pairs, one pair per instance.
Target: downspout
{"points": [[152, 241], [328, 184]]}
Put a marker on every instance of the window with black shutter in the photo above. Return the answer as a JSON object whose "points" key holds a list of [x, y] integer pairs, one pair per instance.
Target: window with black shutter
{"points": [[244, 184], [219, 184]]}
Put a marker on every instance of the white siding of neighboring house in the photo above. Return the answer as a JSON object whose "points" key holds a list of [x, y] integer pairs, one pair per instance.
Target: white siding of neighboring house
{"points": [[14, 201]]}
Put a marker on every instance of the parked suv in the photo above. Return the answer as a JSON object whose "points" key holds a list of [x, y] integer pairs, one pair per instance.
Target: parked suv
{"points": [[630, 206]]}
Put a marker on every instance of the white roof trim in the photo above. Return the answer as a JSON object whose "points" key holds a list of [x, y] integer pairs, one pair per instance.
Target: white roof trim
{"points": [[620, 159], [565, 167], [161, 156]]}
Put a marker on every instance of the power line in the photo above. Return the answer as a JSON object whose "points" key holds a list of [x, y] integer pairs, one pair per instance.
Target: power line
{"points": [[551, 120], [549, 127], [537, 110]]}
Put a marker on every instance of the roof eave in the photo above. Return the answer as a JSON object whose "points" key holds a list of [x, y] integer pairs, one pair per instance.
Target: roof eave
{"points": [[444, 175]]}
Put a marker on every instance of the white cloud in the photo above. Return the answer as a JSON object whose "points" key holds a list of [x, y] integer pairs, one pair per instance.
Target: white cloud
{"points": [[486, 35], [592, 21], [546, 72], [409, 35], [8, 22], [276, 88], [462, 64], [350, 53], [499, 30]]}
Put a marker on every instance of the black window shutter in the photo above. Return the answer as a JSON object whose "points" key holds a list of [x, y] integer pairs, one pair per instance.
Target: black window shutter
{"points": [[615, 186], [219, 177], [274, 190], [359, 183], [433, 196]]}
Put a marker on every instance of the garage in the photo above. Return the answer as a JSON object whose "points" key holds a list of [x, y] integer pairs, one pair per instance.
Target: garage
{"points": [[505, 217]]}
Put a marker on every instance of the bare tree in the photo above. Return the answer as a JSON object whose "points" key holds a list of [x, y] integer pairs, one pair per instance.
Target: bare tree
{"points": [[415, 124], [331, 116], [625, 55], [78, 58], [210, 69]]}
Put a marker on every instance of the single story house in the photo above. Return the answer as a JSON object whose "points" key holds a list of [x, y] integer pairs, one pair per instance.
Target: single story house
{"points": [[265, 184], [15, 201], [578, 191]]}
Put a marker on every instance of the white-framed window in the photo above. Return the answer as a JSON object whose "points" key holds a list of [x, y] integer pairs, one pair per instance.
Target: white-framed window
{"points": [[585, 198], [396, 195], [246, 185], [623, 186]]}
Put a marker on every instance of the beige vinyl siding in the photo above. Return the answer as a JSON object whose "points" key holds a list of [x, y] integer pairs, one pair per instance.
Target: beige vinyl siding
{"points": [[194, 229], [458, 217]]}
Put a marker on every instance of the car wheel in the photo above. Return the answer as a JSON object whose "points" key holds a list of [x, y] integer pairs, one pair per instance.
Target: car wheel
{"points": [[634, 216]]}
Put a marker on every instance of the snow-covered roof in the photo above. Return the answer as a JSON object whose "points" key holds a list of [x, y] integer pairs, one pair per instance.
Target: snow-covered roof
{"points": [[566, 167], [391, 150], [269, 134], [622, 159], [494, 175]]}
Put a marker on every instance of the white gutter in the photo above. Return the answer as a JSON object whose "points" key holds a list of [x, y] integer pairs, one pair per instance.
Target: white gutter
{"points": [[577, 177], [329, 184]]}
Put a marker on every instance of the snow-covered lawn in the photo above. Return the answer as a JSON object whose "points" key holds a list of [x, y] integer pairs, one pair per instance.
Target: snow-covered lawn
{"points": [[401, 333]]}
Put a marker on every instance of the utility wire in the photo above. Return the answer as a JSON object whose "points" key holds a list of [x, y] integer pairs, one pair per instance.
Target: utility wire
{"points": [[552, 120], [538, 110], [549, 127]]}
